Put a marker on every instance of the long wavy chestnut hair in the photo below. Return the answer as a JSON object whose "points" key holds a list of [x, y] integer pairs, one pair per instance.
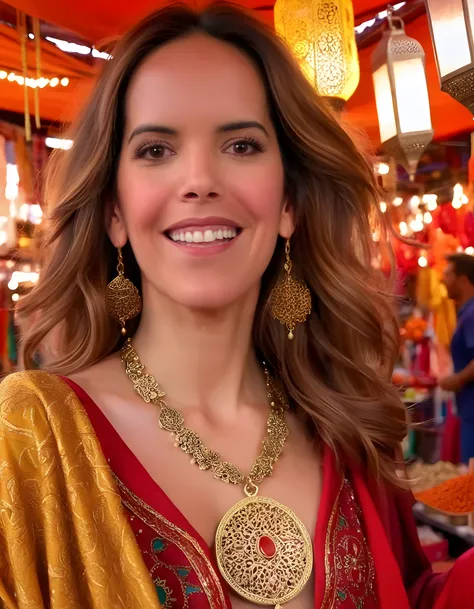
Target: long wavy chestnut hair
{"points": [[337, 369]]}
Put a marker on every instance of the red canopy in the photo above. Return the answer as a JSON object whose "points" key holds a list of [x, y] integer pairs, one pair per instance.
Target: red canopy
{"points": [[98, 20], [58, 103]]}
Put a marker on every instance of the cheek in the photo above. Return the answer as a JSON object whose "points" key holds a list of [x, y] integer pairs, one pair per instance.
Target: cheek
{"points": [[262, 194], [142, 199]]}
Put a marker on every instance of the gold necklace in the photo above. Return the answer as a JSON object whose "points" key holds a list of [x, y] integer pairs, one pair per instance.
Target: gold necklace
{"points": [[263, 549]]}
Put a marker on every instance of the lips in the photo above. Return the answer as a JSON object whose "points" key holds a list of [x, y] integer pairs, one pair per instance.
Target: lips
{"points": [[200, 223], [204, 232]]}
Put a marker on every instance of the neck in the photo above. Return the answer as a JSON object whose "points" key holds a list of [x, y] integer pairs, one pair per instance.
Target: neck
{"points": [[202, 360]]}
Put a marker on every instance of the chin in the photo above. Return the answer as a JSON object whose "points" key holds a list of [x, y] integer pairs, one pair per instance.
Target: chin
{"points": [[212, 298], [207, 304]]}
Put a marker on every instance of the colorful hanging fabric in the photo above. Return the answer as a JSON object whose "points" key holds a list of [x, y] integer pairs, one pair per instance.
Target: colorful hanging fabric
{"points": [[11, 339], [4, 203], [3, 168], [37, 35], [40, 156], [25, 167], [431, 294], [445, 322], [10, 154], [4, 338], [23, 36]]}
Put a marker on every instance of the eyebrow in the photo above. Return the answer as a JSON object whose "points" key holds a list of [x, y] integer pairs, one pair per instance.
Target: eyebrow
{"points": [[226, 128]]}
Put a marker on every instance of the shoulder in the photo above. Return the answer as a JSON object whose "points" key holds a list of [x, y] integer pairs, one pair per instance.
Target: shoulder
{"points": [[103, 381], [22, 385], [29, 401]]}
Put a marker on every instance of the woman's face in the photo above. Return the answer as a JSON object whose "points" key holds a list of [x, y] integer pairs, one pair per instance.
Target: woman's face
{"points": [[200, 178]]}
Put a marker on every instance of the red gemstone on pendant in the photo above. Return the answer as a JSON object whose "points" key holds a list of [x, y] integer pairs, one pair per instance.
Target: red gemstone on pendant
{"points": [[267, 546]]}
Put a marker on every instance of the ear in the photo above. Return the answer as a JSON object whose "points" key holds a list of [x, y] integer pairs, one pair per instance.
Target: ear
{"points": [[287, 220], [115, 224]]}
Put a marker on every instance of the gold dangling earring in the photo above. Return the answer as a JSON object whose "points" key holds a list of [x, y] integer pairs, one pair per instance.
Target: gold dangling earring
{"points": [[122, 298], [290, 298]]}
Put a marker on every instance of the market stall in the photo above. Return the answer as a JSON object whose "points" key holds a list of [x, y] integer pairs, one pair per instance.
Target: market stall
{"points": [[20, 225]]}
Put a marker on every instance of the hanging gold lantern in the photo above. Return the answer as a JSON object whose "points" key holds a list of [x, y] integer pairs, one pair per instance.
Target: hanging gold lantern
{"points": [[321, 35], [401, 95], [452, 31]]}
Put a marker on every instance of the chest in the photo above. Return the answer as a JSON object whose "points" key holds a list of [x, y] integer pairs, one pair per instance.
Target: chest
{"points": [[203, 501]]}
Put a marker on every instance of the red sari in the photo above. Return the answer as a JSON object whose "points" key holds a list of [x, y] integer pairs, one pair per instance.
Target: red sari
{"points": [[366, 548]]}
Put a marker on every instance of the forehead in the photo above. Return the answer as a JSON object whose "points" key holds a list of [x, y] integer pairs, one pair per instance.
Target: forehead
{"points": [[197, 78]]}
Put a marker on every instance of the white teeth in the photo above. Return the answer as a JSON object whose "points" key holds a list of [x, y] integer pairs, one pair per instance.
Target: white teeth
{"points": [[208, 236]]}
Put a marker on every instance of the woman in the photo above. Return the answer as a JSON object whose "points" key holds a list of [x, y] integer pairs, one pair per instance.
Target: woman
{"points": [[217, 211]]}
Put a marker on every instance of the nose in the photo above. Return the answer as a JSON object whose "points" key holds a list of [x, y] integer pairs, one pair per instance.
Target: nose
{"points": [[199, 195], [200, 183]]}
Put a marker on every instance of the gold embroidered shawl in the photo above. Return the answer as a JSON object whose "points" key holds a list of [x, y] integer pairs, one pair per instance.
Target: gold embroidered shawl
{"points": [[65, 542]]}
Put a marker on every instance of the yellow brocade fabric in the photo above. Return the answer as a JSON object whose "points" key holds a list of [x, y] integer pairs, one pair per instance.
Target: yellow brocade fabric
{"points": [[65, 542]]}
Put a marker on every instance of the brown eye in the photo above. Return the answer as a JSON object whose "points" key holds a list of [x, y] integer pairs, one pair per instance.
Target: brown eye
{"points": [[241, 148], [245, 147], [153, 152]]}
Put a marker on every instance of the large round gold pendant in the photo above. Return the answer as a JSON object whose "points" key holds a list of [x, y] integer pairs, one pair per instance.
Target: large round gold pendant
{"points": [[264, 551]]}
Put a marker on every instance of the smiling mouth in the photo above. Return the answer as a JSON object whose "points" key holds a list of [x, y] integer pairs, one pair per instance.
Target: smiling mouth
{"points": [[209, 236]]}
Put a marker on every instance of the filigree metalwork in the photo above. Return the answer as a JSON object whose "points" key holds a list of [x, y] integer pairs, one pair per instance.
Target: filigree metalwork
{"points": [[172, 421], [255, 577]]}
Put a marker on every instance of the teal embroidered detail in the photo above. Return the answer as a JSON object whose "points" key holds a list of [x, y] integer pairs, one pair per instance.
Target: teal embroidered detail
{"points": [[192, 590], [161, 594], [164, 593], [158, 545]]}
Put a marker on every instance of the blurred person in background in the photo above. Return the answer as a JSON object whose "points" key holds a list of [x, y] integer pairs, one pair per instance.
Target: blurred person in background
{"points": [[459, 281]]}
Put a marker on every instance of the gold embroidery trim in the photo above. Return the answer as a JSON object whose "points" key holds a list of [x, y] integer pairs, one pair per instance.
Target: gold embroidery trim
{"points": [[330, 572], [196, 546], [327, 549]]}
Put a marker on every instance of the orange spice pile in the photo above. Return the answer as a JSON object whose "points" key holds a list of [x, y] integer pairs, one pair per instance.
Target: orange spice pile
{"points": [[454, 496]]}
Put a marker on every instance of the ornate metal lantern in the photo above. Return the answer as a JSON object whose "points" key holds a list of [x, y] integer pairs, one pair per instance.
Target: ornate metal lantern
{"points": [[401, 92], [452, 31], [322, 37]]}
